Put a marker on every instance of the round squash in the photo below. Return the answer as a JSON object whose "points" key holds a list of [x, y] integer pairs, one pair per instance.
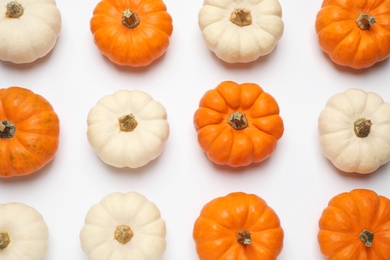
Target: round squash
{"points": [[23, 232], [354, 33], [29, 132], [241, 31], [354, 131], [128, 128], [29, 29], [131, 33], [123, 226], [355, 225], [238, 226], [238, 124]]}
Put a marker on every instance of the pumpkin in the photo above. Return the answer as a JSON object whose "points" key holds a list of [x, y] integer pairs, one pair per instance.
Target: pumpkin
{"points": [[241, 31], [354, 33], [29, 29], [355, 225], [23, 232], [354, 131], [29, 132], [127, 128], [131, 33], [123, 226], [238, 124], [238, 226]]}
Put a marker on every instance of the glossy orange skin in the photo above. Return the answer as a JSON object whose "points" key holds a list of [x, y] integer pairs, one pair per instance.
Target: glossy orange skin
{"points": [[225, 145], [134, 47], [347, 44], [346, 216], [36, 137], [215, 229]]}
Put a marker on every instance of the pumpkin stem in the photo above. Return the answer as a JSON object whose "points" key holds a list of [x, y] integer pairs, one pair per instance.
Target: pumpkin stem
{"points": [[14, 10], [127, 123], [243, 237], [4, 240], [366, 236], [241, 17], [7, 129], [362, 127], [238, 120], [364, 21], [130, 19], [123, 234]]}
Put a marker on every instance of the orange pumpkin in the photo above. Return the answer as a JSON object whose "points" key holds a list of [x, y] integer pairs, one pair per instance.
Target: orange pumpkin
{"points": [[131, 32], [356, 225], [238, 226], [29, 132], [354, 33], [238, 124]]}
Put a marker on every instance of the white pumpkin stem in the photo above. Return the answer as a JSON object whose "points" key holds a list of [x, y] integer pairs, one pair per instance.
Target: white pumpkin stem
{"points": [[127, 123], [7, 129], [14, 10], [366, 236], [241, 17], [130, 19], [238, 120], [362, 127], [123, 234], [365, 21], [243, 237], [4, 240]]}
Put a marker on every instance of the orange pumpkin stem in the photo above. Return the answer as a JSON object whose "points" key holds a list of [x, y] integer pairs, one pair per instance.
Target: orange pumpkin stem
{"points": [[4, 240], [7, 129], [123, 234], [14, 10], [238, 120], [241, 17], [366, 236], [362, 127], [365, 21], [130, 19], [127, 123], [243, 237]]}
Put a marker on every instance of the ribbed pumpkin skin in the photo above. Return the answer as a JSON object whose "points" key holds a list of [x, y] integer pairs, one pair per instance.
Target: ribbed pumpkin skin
{"points": [[36, 136], [134, 47]]}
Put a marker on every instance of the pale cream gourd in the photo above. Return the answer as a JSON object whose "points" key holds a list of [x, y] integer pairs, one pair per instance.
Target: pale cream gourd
{"points": [[241, 31], [23, 233], [124, 226], [354, 131], [128, 128], [29, 29]]}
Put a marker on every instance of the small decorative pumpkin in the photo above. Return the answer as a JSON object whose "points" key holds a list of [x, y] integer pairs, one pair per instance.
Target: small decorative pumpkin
{"points": [[131, 33], [354, 33], [355, 225], [29, 29], [238, 124], [128, 128], [238, 226], [354, 131], [241, 31], [123, 226], [29, 132], [23, 232]]}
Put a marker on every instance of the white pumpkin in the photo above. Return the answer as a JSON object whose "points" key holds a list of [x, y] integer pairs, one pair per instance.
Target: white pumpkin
{"points": [[241, 31], [23, 233], [124, 226], [354, 131], [29, 29], [128, 128]]}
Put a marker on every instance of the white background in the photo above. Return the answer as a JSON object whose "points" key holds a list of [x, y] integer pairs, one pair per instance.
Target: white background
{"points": [[296, 181]]}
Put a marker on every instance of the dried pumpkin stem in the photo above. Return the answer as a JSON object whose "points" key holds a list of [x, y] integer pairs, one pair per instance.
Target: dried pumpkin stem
{"points": [[365, 21], [366, 236], [243, 237], [130, 19], [7, 129], [4, 240], [123, 234], [127, 123], [14, 10], [238, 120], [362, 127], [241, 17]]}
